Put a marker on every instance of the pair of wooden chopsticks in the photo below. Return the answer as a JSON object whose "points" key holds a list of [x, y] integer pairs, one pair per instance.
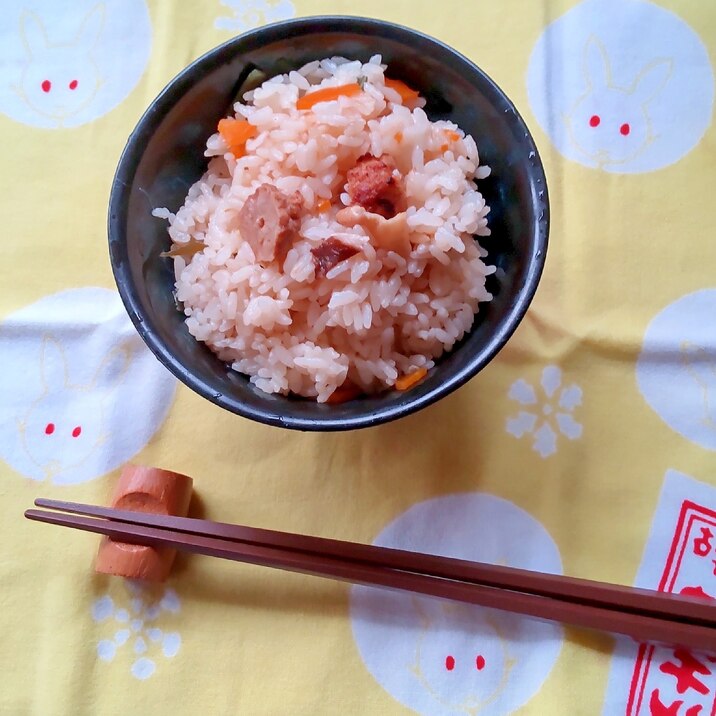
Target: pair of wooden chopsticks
{"points": [[645, 615]]}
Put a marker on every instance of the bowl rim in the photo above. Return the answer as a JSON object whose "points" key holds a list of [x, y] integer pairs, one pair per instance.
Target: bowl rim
{"points": [[153, 116]]}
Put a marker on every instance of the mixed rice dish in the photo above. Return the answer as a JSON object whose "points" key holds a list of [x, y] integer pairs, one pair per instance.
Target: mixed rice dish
{"points": [[331, 248]]}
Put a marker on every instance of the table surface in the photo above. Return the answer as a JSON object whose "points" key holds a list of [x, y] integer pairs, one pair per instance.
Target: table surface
{"points": [[586, 447]]}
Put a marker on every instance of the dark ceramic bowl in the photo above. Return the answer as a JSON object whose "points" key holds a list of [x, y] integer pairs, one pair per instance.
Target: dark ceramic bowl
{"points": [[164, 156]]}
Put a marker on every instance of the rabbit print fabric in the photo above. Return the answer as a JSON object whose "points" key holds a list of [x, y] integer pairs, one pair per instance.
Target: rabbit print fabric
{"points": [[440, 658], [81, 392], [679, 382], [65, 64], [568, 453], [624, 86]]}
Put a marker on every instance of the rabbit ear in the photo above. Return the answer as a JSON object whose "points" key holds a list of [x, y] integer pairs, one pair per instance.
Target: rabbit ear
{"points": [[699, 363], [91, 27], [596, 64], [422, 608], [449, 609], [651, 80], [53, 365], [33, 33], [112, 368], [502, 623]]}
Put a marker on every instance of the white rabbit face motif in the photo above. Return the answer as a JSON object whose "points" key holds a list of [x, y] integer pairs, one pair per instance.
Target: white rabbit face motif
{"points": [[462, 659], [701, 367], [60, 436], [607, 131], [60, 80], [66, 424], [611, 124]]}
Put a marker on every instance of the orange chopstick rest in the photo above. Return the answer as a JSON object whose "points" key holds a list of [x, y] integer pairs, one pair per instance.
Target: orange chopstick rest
{"points": [[151, 490]]}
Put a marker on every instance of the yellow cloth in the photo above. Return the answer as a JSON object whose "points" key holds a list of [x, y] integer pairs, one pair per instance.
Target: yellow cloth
{"points": [[226, 638]]}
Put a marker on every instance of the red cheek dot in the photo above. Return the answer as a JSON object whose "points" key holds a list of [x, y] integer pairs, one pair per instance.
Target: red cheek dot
{"points": [[49, 428], [76, 432], [480, 662], [594, 120], [46, 86], [625, 129], [449, 663], [73, 84]]}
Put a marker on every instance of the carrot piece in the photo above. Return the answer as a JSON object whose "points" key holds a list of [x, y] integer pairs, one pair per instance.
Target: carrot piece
{"points": [[406, 93], [236, 132], [327, 94], [344, 393], [399, 137], [452, 136], [408, 381], [187, 250], [323, 205], [444, 148]]}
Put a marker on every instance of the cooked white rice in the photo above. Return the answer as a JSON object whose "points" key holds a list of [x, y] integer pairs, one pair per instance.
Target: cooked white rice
{"points": [[373, 317]]}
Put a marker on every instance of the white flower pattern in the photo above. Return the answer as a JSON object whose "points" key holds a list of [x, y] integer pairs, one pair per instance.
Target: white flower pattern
{"points": [[137, 628], [247, 14], [547, 415]]}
